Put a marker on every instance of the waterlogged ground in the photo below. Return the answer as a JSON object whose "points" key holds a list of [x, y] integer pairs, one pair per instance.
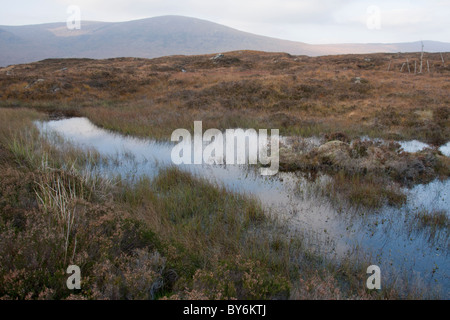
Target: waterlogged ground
{"points": [[391, 237], [416, 146]]}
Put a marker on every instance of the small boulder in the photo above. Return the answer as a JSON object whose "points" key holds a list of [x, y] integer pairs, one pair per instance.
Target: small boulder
{"points": [[359, 80], [334, 152], [218, 57]]}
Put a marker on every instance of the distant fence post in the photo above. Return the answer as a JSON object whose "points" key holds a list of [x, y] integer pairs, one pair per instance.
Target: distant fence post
{"points": [[421, 59]]}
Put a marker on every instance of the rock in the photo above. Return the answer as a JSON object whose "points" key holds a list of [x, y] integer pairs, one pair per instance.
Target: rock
{"points": [[218, 56], [359, 80], [333, 145], [334, 152], [34, 82]]}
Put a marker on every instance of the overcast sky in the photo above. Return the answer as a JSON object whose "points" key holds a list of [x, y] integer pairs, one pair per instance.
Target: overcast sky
{"points": [[311, 21]]}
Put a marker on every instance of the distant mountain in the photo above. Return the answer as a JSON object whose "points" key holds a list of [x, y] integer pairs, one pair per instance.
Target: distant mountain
{"points": [[162, 36]]}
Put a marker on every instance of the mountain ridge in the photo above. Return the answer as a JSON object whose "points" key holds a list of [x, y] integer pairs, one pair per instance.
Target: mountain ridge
{"points": [[163, 36]]}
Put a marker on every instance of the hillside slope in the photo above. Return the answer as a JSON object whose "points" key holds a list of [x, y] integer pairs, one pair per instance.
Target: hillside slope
{"points": [[161, 36]]}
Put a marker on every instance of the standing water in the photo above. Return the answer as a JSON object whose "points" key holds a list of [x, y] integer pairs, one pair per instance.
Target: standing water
{"points": [[390, 236]]}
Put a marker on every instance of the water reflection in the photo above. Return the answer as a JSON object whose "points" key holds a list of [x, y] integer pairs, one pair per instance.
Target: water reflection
{"points": [[387, 235]]}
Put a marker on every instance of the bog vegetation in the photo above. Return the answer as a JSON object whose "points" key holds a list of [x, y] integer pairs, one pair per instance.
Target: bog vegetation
{"points": [[177, 236]]}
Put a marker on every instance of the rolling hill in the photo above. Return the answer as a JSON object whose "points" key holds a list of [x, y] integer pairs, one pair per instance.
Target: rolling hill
{"points": [[161, 36]]}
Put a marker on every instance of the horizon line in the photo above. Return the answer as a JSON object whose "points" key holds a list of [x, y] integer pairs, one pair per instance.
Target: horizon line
{"points": [[209, 21]]}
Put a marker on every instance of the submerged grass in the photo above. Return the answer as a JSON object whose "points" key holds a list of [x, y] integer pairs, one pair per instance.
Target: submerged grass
{"points": [[436, 220], [364, 191]]}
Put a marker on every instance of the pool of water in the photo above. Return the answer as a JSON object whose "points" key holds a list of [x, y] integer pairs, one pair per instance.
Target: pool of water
{"points": [[413, 146], [389, 236]]}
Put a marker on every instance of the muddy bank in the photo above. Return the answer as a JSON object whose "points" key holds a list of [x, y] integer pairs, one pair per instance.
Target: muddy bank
{"points": [[363, 157]]}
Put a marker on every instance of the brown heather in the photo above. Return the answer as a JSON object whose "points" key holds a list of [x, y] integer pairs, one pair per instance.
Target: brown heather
{"points": [[299, 95]]}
